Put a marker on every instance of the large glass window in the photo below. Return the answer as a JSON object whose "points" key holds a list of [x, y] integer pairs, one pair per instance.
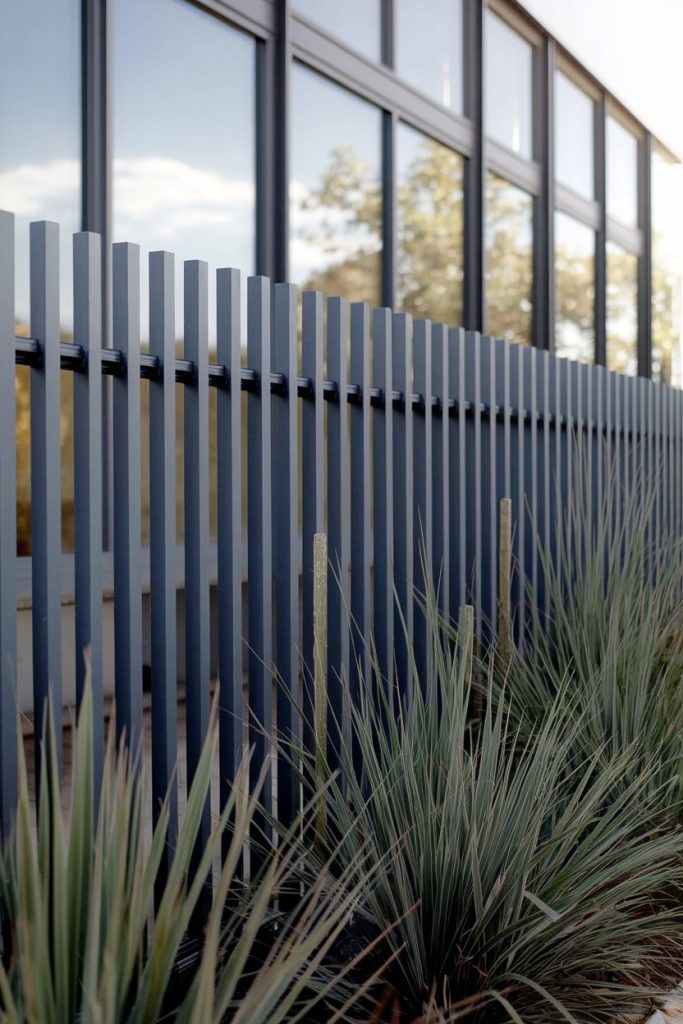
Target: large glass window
{"points": [[335, 190], [622, 310], [622, 173], [509, 251], [574, 289], [429, 51], [574, 136], [356, 22], [667, 271], [40, 179], [184, 135], [429, 179], [508, 67]]}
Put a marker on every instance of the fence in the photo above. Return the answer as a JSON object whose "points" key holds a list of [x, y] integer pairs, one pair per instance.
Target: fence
{"points": [[387, 434]]}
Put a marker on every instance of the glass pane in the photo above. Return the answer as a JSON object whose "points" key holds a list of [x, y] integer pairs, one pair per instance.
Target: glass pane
{"points": [[508, 68], [622, 173], [622, 310], [335, 190], [509, 252], [574, 136], [430, 227], [574, 289], [356, 22], [429, 51], [667, 272], [40, 179], [184, 160], [184, 138]]}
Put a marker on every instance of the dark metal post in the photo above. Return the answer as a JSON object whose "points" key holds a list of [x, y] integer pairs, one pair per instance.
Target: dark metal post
{"points": [[475, 172]]}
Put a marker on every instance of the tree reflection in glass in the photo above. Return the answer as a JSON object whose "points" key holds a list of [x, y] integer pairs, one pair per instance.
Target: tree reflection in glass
{"points": [[622, 310], [574, 289], [509, 261]]}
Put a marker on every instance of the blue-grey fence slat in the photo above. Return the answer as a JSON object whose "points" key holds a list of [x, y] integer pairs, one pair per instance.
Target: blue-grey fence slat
{"points": [[162, 526], [260, 539], [8, 529], [286, 540], [397, 438], [338, 524], [46, 503], [383, 488], [196, 473], [87, 397], [229, 528], [127, 503]]}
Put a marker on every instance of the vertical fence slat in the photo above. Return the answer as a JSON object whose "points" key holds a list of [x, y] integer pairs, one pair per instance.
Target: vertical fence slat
{"points": [[312, 483], [489, 539], [628, 439], [422, 492], [530, 512], [46, 512], [458, 474], [127, 509], [196, 472], [473, 475], [518, 492], [285, 540], [87, 397], [338, 513], [402, 353], [545, 376], [441, 468], [361, 468], [501, 357], [599, 457], [229, 527], [162, 530], [260, 539], [383, 487], [8, 532]]}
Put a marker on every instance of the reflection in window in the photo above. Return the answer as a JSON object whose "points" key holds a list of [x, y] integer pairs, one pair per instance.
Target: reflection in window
{"points": [[574, 136], [184, 158], [335, 190], [574, 289], [667, 281], [429, 51], [40, 179], [622, 173], [622, 310], [356, 22], [508, 67], [509, 250], [430, 227]]}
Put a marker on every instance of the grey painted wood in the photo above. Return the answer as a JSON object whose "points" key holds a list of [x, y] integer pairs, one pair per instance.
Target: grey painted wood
{"points": [[441, 539], [162, 526], [422, 489], [458, 474], [473, 475], [196, 495], [87, 397], [489, 525], [312, 482], [46, 508], [285, 446], [8, 531], [402, 376], [127, 498], [229, 447], [338, 524], [530, 513], [383, 488], [361, 504], [518, 492], [260, 537]]}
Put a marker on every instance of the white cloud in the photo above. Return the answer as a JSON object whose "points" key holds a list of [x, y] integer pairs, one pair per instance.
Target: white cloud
{"points": [[37, 191]]}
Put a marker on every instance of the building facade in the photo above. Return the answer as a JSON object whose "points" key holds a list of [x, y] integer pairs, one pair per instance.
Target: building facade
{"points": [[445, 157]]}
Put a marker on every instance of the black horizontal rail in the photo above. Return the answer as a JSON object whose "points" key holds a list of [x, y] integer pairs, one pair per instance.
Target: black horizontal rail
{"points": [[28, 352]]}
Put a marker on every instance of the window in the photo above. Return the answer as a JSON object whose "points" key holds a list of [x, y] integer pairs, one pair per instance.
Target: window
{"points": [[574, 136], [622, 173], [574, 289], [429, 180], [509, 273], [622, 310], [40, 179], [335, 190], [667, 282], [508, 70], [429, 51], [356, 22]]}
